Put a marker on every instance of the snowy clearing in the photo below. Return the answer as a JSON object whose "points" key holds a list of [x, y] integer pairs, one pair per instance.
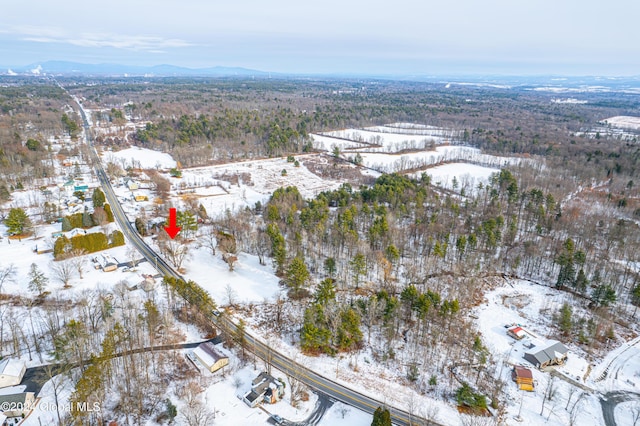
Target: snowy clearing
{"points": [[623, 122], [135, 157]]}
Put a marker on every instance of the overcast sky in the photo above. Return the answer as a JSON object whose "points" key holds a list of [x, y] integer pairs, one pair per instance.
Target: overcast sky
{"points": [[577, 37]]}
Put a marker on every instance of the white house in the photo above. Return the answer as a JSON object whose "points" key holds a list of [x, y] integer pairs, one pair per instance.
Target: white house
{"points": [[209, 357], [11, 372], [107, 263]]}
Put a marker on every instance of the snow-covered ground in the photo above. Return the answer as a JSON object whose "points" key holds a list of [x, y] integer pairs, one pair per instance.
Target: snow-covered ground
{"points": [[468, 176], [390, 163], [328, 143], [390, 142], [238, 185], [249, 282], [21, 254], [531, 306], [139, 158], [624, 122]]}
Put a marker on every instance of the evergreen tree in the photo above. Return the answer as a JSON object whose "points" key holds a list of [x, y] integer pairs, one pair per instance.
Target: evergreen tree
{"points": [[330, 266], [326, 292], [37, 280], [141, 226], [381, 417], [565, 322], [98, 198], [17, 221], [278, 248], [581, 282], [297, 275], [315, 336], [635, 297], [358, 267], [107, 210], [604, 295], [87, 220], [187, 222], [349, 335]]}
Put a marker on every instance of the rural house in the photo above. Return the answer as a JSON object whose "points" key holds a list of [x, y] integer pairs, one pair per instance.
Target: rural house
{"points": [[11, 372], [554, 353], [107, 263], [523, 377], [210, 357], [264, 388]]}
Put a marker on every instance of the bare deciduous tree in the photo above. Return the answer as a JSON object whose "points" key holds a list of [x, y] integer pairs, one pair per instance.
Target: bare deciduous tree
{"points": [[78, 260], [63, 271], [6, 275], [175, 251]]}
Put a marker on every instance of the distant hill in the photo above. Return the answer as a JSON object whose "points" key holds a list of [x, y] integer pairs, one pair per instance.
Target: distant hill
{"points": [[76, 68]]}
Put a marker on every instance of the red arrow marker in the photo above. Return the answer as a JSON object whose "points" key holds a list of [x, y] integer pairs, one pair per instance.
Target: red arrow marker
{"points": [[172, 229]]}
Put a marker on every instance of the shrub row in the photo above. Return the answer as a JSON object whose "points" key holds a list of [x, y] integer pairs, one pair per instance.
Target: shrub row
{"points": [[90, 243]]}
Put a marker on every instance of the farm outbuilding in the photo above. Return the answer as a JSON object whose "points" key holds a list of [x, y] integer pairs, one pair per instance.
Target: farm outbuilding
{"points": [[516, 332], [523, 377], [210, 357]]}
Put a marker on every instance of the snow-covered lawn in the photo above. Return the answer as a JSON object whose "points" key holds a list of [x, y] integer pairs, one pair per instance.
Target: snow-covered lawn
{"points": [[249, 282]]}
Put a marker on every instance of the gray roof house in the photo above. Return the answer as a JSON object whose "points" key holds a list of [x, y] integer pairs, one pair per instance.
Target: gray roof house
{"points": [[553, 353], [264, 388]]}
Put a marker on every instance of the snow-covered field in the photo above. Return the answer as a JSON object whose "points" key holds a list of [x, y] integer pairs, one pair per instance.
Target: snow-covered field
{"points": [[328, 143], [468, 176], [139, 158], [418, 160], [238, 185], [389, 142], [624, 122]]}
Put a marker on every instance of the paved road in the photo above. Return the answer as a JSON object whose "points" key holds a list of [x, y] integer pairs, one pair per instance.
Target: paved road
{"points": [[279, 361], [609, 400]]}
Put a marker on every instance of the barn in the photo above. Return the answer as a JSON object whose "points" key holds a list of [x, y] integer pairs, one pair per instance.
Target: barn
{"points": [[210, 357]]}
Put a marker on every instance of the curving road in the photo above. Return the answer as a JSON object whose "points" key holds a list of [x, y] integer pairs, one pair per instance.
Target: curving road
{"points": [[288, 366], [609, 400]]}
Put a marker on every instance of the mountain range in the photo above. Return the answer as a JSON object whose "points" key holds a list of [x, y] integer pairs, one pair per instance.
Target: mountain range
{"points": [[76, 68]]}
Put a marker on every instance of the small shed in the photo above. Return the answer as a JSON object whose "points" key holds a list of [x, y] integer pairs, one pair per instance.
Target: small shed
{"points": [[523, 377], [516, 332], [11, 372], [553, 353], [210, 357]]}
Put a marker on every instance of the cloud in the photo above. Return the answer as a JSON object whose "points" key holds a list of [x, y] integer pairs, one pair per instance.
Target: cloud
{"points": [[138, 43]]}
